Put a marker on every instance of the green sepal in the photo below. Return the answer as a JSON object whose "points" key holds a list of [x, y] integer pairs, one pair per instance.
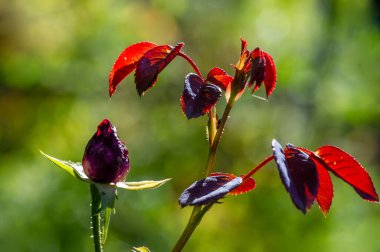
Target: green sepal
{"points": [[74, 169], [141, 185]]}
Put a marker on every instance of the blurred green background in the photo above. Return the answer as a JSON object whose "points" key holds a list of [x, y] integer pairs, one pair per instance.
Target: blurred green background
{"points": [[55, 60]]}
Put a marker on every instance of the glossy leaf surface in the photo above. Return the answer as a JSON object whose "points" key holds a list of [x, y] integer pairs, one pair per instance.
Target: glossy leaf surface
{"points": [[298, 174], [304, 174], [208, 190], [198, 97], [348, 169], [152, 63], [126, 63]]}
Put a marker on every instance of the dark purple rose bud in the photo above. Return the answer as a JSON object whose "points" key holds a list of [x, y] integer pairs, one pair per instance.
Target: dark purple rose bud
{"points": [[105, 158]]}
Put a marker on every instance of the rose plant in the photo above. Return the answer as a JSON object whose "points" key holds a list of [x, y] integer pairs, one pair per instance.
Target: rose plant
{"points": [[304, 173]]}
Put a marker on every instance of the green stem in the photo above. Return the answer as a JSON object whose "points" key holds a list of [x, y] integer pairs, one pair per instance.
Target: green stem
{"points": [[195, 219], [95, 217], [219, 132], [189, 229], [198, 212]]}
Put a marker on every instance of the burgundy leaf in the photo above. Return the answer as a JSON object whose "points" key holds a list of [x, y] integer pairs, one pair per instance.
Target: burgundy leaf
{"points": [[298, 174], [198, 97], [208, 190], [304, 174], [152, 63], [325, 188], [257, 72], [126, 63], [348, 169], [219, 77], [263, 69], [247, 185]]}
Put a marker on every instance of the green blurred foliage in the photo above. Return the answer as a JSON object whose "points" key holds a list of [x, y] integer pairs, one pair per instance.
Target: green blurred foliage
{"points": [[55, 58]]}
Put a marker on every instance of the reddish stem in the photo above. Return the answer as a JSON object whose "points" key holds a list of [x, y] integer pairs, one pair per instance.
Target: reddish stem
{"points": [[191, 62], [254, 170]]}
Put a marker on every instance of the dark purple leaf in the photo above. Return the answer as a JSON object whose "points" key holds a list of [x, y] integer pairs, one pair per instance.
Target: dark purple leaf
{"points": [[126, 63], [298, 174], [247, 185], [208, 190], [198, 97], [152, 63]]}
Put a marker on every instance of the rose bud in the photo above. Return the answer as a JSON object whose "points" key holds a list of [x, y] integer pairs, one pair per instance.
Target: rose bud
{"points": [[105, 158]]}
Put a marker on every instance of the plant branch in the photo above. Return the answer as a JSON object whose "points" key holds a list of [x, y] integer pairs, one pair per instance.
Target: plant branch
{"points": [[195, 219], [219, 132], [254, 170], [191, 62], [214, 138], [95, 217], [198, 212]]}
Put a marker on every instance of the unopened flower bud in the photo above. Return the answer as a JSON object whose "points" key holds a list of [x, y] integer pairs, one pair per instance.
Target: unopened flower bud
{"points": [[105, 159]]}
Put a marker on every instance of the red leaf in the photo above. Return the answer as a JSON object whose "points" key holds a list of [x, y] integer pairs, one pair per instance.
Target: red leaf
{"points": [[348, 169], [325, 188], [270, 74], [248, 184], [219, 77], [243, 46], [198, 97], [152, 63], [126, 63]]}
